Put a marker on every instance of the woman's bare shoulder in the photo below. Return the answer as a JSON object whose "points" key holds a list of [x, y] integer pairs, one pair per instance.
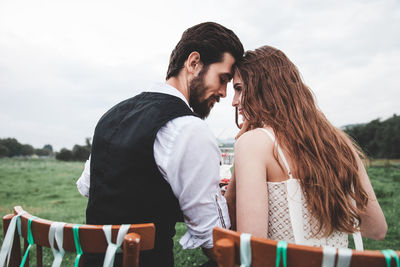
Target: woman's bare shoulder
{"points": [[255, 141]]}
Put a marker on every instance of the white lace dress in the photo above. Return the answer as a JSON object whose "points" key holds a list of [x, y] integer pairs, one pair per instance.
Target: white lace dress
{"points": [[289, 218], [280, 226]]}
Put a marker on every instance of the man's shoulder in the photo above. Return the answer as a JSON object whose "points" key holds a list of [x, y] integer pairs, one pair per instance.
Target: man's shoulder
{"points": [[152, 95], [186, 129], [160, 103], [188, 124]]}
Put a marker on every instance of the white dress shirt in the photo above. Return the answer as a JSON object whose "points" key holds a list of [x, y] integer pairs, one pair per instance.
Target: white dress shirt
{"points": [[188, 157]]}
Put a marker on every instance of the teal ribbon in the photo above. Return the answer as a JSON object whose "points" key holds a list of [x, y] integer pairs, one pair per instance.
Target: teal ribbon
{"points": [[30, 240], [281, 251], [395, 256], [389, 254], [78, 247]]}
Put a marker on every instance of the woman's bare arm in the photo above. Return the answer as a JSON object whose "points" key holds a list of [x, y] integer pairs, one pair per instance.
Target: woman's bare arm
{"points": [[251, 184], [373, 222]]}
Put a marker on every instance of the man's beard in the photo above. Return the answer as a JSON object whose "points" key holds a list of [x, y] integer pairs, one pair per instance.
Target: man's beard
{"points": [[197, 101]]}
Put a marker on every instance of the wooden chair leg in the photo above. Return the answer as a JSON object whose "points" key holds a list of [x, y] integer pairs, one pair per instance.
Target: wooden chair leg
{"points": [[15, 257], [81, 260], [224, 250], [131, 249], [39, 253]]}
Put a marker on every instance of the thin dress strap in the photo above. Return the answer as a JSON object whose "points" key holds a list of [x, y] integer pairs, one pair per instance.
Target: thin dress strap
{"points": [[279, 151], [294, 198]]}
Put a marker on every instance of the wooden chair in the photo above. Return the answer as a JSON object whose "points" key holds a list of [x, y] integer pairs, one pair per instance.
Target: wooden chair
{"points": [[91, 237], [263, 253]]}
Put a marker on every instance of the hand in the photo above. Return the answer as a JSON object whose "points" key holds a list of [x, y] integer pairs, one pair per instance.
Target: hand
{"points": [[244, 127], [223, 189]]}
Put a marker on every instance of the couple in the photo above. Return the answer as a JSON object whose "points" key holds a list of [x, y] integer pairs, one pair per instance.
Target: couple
{"points": [[155, 160]]}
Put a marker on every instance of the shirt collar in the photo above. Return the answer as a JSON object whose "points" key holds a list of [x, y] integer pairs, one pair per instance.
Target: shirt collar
{"points": [[165, 88]]}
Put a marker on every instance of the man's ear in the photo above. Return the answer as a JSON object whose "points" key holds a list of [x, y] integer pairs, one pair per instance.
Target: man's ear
{"points": [[193, 63]]}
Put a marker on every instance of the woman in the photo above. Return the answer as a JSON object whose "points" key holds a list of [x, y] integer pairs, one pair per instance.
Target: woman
{"points": [[296, 177]]}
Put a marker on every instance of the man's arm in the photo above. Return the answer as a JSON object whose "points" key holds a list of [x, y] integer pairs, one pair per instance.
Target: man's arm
{"points": [[188, 156]]}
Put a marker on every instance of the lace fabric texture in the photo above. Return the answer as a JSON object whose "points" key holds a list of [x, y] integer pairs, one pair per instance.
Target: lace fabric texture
{"points": [[280, 225]]}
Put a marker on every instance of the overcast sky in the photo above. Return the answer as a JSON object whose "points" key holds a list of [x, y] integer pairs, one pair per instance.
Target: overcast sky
{"points": [[64, 63]]}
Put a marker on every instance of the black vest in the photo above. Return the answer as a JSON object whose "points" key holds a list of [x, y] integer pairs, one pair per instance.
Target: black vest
{"points": [[126, 186]]}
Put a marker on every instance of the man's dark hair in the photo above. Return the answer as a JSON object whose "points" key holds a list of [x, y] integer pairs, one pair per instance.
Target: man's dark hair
{"points": [[211, 40]]}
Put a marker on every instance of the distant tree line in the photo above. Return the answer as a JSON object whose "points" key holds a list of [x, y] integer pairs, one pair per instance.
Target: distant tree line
{"points": [[78, 153], [10, 147], [378, 139]]}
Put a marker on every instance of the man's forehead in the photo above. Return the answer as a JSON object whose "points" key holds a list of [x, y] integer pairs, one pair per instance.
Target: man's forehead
{"points": [[225, 67]]}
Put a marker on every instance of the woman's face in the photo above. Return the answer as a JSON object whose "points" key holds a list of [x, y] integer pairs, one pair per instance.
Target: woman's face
{"points": [[237, 86]]}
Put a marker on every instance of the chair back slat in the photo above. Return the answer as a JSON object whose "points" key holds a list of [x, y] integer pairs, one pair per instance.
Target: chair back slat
{"points": [[91, 237], [39, 254], [264, 252]]}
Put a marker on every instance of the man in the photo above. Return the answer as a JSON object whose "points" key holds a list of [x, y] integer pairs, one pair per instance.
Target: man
{"points": [[153, 159]]}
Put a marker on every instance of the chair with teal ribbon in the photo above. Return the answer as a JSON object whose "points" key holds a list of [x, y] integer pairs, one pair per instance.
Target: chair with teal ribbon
{"points": [[233, 248], [80, 239]]}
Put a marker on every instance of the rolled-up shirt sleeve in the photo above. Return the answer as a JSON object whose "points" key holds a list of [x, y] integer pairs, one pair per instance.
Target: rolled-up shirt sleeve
{"points": [[189, 160], [83, 183]]}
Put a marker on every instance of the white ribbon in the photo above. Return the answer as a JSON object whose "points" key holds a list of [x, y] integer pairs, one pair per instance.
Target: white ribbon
{"points": [[358, 242], [112, 248], [328, 257], [9, 239], [344, 257], [245, 250], [57, 230], [295, 204]]}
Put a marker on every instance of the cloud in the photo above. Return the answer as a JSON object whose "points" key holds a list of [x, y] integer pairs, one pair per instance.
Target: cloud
{"points": [[64, 63]]}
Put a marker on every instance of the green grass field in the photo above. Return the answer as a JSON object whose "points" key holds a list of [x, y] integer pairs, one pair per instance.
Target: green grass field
{"points": [[46, 188]]}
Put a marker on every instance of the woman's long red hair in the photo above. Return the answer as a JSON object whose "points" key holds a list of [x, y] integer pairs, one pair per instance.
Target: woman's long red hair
{"points": [[322, 156]]}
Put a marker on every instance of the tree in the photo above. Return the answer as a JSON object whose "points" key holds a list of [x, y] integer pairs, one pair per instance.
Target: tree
{"points": [[41, 152], [390, 136], [80, 153], [379, 139], [48, 148], [13, 146], [26, 150], [3, 151], [88, 142], [64, 154]]}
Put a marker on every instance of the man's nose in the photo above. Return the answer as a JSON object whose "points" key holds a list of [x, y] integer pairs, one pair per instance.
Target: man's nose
{"points": [[222, 91]]}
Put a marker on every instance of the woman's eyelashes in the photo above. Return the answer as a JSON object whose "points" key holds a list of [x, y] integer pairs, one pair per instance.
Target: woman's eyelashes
{"points": [[238, 88]]}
